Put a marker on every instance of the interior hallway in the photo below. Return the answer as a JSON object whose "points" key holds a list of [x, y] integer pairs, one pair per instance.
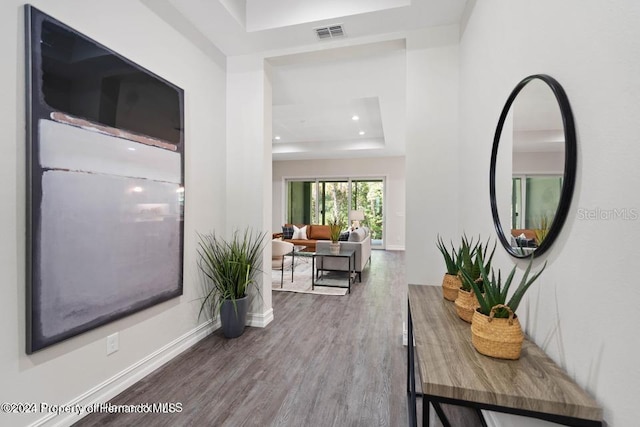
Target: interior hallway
{"points": [[323, 361]]}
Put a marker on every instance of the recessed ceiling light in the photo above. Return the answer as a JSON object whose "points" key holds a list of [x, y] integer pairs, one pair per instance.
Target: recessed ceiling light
{"points": [[277, 138], [361, 132], [131, 149], [355, 118], [137, 189]]}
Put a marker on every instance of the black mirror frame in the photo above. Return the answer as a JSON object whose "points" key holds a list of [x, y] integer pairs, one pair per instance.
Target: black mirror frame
{"points": [[570, 166]]}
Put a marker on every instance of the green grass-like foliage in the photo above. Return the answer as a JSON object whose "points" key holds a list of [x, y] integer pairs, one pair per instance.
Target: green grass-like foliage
{"points": [[495, 293], [229, 267], [542, 231], [472, 262], [451, 259], [335, 228]]}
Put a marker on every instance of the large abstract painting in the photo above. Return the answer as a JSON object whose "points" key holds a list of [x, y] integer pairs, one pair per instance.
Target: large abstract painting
{"points": [[105, 180]]}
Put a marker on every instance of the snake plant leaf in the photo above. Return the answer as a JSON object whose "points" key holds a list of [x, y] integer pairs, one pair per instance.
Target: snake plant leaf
{"points": [[449, 258], [482, 299], [514, 302], [503, 292], [496, 292]]}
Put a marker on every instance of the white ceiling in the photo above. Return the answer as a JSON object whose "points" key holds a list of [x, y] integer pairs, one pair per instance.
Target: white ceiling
{"points": [[342, 120], [316, 93], [315, 96], [537, 120]]}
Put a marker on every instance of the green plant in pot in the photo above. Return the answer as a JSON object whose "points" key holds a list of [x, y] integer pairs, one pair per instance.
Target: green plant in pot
{"points": [[230, 268], [472, 263], [452, 259], [495, 328], [335, 228]]}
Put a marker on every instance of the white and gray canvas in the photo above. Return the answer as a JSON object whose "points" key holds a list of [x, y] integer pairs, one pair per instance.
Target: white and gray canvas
{"points": [[110, 227]]}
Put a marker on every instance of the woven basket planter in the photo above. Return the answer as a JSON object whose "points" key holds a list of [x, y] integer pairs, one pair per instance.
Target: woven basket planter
{"points": [[466, 304], [500, 338], [450, 285]]}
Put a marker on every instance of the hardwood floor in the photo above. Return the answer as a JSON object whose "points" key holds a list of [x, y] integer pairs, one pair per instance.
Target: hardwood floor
{"points": [[323, 361]]}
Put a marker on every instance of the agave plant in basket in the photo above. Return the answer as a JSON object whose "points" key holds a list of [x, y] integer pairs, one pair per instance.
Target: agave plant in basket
{"points": [[451, 281], [474, 261], [230, 268], [495, 329]]}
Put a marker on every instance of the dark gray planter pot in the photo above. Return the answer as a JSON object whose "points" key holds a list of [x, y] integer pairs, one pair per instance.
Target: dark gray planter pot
{"points": [[234, 318]]}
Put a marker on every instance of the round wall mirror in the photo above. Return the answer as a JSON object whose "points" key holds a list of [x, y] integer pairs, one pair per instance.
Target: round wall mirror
{"points": [[533, 166]]}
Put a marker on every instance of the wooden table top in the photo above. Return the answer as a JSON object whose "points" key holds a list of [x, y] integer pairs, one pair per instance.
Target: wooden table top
{"points": [[450, 367]]}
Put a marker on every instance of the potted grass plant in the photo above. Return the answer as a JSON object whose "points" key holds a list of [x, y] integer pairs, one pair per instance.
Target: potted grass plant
{"points": [[229, 268], [495, 328], [542, 231], [451, 281], [335, 228], [466, 302]]}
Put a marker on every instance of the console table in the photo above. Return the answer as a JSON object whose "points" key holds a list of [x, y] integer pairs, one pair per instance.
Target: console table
{"points": [[453, 372]]}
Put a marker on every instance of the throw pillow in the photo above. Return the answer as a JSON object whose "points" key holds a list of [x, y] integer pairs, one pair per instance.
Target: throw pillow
{"points": [[319, 232], [300, 233], [357, 235], [287, 232], [344, 236]]}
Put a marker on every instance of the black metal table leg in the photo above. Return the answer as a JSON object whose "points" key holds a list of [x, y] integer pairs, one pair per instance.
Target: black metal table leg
{"points": [[411, 374]]}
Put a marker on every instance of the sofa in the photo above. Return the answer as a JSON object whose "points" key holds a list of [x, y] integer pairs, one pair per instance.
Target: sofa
{"points": [[313, 234], [528, 241], [360, 241]]}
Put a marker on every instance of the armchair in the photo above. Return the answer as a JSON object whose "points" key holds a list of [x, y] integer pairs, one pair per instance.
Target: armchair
{"points": [[279, 260]]}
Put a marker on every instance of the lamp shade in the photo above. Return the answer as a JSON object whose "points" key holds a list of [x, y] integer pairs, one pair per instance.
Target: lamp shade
{"points": [[356, 215]]}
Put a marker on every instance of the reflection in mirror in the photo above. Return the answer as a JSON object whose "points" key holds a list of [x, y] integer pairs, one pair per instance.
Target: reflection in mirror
{"points": [[530, 164]]}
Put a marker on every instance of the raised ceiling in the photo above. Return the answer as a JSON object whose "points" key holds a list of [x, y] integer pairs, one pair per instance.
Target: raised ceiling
{"points": [[316, 96], [316, 92]]}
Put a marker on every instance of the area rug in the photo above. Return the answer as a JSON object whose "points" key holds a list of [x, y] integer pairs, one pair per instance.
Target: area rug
{"points": [[302, 280]]}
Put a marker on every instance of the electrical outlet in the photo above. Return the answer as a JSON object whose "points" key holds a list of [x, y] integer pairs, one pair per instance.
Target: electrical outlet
{"points": [[112, 343]]}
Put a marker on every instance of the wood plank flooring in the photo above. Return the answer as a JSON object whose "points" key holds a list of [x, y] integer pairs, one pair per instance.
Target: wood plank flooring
{"points": [[323, 361]]}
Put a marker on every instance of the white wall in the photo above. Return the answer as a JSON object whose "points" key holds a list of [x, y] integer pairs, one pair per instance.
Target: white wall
{"points": [[248, 198], [537, 163], [392, 168], [64, 372], [583, 311], [431, 149]]}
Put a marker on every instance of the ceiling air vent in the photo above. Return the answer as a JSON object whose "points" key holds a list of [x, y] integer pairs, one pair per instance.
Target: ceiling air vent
{"points": [[329, 32]]}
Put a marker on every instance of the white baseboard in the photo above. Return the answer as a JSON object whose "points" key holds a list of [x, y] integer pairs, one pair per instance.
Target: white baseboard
{"points": [[260, 320], [108, 389], [394, 248], [405, 333]]}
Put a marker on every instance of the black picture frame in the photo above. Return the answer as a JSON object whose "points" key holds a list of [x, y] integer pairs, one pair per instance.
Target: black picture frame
{"points": [[570, 166], [105, 184]]}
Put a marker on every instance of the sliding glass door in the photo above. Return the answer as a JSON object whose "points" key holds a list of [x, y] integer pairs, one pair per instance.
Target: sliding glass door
{"points": [[302, 202], [534, 200], [319, 201], [367, 196], [333, 201]]}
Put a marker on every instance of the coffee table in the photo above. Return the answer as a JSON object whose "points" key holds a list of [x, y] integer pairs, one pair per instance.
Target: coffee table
{"points": [[344, 253], [298, 250]]}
